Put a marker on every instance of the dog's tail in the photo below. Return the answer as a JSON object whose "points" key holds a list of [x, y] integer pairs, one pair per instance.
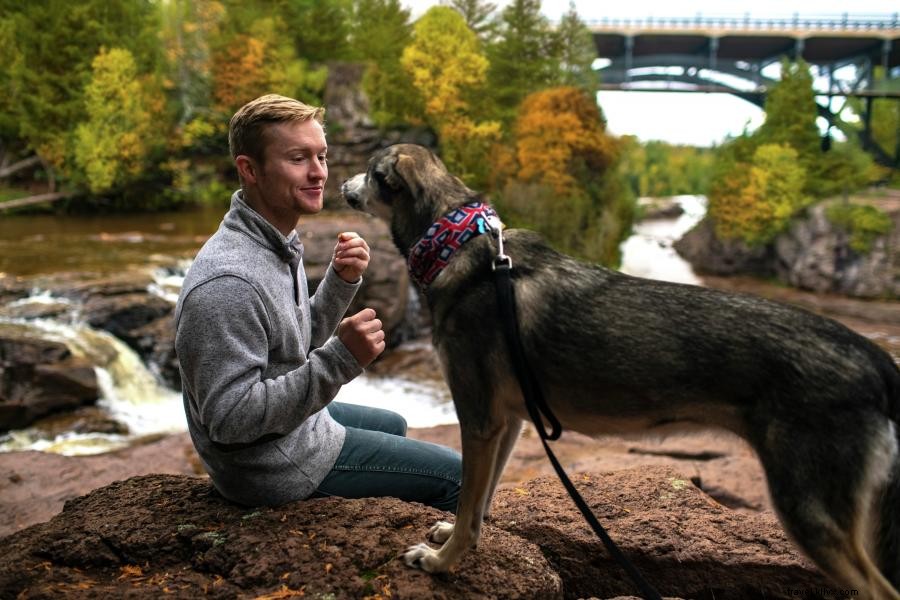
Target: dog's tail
{"points": [[889, 542]]}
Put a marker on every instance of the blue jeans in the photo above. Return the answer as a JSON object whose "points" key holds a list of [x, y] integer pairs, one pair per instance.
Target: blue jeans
{"points": [[377, 459]]}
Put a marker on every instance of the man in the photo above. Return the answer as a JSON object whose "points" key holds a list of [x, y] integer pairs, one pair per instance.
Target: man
{"points": [[260, 363]]}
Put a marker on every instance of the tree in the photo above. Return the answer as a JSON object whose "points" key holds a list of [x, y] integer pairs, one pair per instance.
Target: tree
{"points": [[478, 16], [566, 182], [448, 69], [379, 32], [763, 206], [522, 58], [54, 43], [262, 60], [112, 146], [575, 52]]}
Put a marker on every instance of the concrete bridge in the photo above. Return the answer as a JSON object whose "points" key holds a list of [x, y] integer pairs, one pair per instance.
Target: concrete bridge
{"points": [[730, 54]]}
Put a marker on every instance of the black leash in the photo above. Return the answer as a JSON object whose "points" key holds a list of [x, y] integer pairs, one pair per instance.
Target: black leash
{"points": [[538, 408]]}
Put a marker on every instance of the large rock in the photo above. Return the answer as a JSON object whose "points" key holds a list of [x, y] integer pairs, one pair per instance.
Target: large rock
{"points": [[39, 377], [385, 286], [816, 255], [684, 543], [174, 536], [711, 255]]}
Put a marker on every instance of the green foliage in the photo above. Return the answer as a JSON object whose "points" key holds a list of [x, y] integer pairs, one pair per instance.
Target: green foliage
{"points": [[477, 14], [658, 169], [864, 223], [575, 52], [379, 32], [121, 132], [52, 46], [523, 58], [763, 205]]}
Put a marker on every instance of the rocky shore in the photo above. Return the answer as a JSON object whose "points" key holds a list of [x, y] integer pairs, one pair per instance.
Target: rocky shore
{"points": [[691, 513]]}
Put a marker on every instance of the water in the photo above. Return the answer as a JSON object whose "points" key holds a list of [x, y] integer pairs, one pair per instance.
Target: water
{"points": [[649, 252]]}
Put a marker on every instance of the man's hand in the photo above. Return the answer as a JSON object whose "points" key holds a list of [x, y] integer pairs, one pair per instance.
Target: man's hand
{"points": [[363, 336], [351, 256]]}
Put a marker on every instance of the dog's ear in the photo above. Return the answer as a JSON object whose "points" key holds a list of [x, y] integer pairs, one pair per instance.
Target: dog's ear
{"points": [[398, 173]]}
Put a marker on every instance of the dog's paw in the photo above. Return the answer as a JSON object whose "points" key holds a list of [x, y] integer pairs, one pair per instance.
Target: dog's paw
{"points": [[440, 532], [422, 556]]}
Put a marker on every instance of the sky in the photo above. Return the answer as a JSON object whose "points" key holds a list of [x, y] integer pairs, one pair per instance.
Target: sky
{"points": [[706, 119]]}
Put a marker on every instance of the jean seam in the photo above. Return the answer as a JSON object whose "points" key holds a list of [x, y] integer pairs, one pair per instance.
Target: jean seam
{"points": [[396, 470]]}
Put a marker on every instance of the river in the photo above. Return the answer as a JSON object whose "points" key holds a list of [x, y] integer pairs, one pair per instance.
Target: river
{"points": [[162, 244]]}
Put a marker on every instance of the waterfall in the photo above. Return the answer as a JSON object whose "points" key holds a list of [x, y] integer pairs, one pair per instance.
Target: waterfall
{"points": [[130, 394]]}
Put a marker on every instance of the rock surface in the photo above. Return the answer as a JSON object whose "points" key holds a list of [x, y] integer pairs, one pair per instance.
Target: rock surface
{"points": [[174, 536], [685, 544]]}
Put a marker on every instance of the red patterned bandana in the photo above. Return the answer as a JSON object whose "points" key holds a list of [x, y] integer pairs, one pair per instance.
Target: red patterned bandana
{"points": [[433, 252]]}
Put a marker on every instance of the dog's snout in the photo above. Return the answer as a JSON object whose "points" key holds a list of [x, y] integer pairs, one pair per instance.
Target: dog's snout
{"points": [[350, 190]]}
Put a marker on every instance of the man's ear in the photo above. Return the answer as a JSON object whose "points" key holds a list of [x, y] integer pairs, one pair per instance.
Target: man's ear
{"points": [[247, 168]]}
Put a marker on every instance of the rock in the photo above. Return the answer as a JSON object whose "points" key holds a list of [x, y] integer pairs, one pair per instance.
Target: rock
{"points": [[659, 208], [684, 543], [35, 485], [174, 536], [385, 286], [39, 377], [352, 136], [816, 255], [710, 255]]}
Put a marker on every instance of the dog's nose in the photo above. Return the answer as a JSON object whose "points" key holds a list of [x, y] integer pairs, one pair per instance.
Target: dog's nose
{"points": [[349, 194]]}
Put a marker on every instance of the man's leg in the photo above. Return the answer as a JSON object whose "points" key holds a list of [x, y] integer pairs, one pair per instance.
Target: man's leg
{"points": [[373, 463], [365, 417]]}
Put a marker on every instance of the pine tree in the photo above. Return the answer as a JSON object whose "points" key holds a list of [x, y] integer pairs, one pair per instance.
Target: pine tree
{"points": [[478, 15], [522, 58], [575, 52]]}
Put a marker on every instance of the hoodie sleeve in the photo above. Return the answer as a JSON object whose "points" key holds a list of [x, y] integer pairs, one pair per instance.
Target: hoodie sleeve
{"points": [[222, 342], [329, 304]]}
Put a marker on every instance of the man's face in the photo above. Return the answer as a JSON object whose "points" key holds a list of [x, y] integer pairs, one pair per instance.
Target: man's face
{"points": [[292, 176]]}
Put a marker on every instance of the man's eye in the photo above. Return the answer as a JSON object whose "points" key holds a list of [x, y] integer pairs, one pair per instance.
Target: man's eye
{"points": [[323, 158]]}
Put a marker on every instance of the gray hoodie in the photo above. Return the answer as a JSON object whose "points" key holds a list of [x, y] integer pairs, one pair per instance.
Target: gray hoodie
{"points": [[259, 363]]}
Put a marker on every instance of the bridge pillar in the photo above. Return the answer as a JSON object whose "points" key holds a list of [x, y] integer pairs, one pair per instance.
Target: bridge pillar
{"points": [[629, 56], [713, 52], [798, 49], [885, 57]]}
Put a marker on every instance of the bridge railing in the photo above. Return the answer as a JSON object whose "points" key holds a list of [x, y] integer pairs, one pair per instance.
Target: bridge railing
{"points": [[833, 23]]}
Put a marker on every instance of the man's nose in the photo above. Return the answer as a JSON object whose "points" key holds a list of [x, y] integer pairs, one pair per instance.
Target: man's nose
{"points": [[318, 169]]}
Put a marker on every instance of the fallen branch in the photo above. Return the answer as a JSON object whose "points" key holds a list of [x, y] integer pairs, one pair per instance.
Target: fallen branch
{"points": [[20, 165], [36, 199]]}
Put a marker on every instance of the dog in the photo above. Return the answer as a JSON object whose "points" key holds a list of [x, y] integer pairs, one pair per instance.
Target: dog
{"points": [[616, 354]]}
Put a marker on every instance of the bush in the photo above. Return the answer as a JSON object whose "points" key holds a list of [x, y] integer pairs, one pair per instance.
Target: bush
{"points": [[863, 222]]}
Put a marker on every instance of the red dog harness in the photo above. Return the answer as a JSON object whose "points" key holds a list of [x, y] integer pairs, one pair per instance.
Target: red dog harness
{"points": [[431, 254]]}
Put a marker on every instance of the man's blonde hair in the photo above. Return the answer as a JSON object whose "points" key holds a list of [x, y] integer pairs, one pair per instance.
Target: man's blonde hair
{"points": [[246, 131]]}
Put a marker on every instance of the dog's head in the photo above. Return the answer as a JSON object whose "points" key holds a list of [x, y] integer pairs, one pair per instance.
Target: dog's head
{"points": [[407, 186]]}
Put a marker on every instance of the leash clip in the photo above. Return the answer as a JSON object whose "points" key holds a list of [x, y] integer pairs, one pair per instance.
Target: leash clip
{"points": [[502, 261]]}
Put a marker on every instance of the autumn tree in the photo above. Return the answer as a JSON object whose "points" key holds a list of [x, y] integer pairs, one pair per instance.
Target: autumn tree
{"points": [[567, 184], [448, 69], [773, 193], [121, 130]]}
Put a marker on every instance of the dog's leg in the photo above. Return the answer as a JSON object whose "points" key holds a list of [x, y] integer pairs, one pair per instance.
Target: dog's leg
{"points": [[480, 457], [828, 505], [510, 437], [442, 530], [889, 529]]}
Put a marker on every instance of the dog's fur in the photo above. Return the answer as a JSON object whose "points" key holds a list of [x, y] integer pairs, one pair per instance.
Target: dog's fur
{"points": [[618, 354]]}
